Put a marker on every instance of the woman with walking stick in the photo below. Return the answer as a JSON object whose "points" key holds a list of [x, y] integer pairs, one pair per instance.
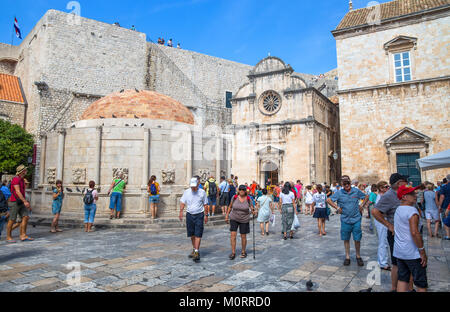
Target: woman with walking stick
{"points": [[239, 217]]}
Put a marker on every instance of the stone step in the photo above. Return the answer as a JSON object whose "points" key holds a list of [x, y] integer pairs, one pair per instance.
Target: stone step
{"points": [[146, 224]]}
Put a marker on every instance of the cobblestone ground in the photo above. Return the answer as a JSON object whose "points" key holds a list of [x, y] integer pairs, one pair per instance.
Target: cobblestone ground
{"points": [[132, 261]]}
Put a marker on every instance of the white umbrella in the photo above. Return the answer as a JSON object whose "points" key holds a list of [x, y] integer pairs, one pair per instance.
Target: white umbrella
{"points": [[436, 161]]}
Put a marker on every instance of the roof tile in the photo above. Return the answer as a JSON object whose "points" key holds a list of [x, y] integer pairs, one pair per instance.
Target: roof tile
{"points": [[10, 89], [391, 9]]}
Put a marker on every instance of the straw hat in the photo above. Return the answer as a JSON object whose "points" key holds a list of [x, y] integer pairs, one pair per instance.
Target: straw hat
{"points": [[20, 169]]}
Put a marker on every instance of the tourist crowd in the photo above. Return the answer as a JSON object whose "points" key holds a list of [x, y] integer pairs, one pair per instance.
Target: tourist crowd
{"points": [[395, 209]]}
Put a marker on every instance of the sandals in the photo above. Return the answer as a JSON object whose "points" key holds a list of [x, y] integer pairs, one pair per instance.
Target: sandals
{"points": [[347, 262], [243, 255], [27, 239], [360, 262], [386, 268], [232, 256], [111, 217]]}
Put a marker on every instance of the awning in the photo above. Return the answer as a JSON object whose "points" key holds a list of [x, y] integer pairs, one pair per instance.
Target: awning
{"points": [[437, 161]]}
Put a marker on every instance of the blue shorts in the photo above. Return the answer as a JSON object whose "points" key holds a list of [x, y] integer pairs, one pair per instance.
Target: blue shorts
{"points": [[276, 199], [212, 200], [154, 199], [447, 221], [56, 208], [195, 224], [116, 201], [348, 229]]}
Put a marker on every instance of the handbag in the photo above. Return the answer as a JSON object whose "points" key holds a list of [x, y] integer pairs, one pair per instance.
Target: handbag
{"points": [[295, 224], [272, 220]]}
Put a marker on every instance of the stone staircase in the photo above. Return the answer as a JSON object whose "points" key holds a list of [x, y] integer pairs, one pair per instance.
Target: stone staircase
{"points": [[139, 223]]}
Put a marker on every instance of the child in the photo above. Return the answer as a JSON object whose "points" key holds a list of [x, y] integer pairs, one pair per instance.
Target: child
{"points": [[308, 200], [320, 209], [58, 195]]}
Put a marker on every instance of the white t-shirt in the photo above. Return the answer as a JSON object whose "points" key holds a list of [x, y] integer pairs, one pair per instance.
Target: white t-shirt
{"points": [[309, 198], [404, 246], [287, 199], [319, 200], [195, 202]]}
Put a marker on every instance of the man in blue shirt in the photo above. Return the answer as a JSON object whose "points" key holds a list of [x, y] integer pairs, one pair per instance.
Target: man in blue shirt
{"points": [[347, 200]]}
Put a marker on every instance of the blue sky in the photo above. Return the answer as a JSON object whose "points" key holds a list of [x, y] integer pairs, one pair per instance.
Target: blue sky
{"points": [[244, 31]]}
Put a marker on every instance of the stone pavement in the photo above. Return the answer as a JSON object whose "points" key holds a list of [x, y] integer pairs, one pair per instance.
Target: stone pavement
{"points": [[134, 261]]}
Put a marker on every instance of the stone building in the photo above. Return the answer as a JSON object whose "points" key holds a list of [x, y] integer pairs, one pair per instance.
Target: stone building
{"points": [[283, 128], [138, 133], [394, 88]]}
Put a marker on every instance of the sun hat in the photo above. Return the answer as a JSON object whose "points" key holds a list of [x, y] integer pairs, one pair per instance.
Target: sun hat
{"points": [[20, 169]]}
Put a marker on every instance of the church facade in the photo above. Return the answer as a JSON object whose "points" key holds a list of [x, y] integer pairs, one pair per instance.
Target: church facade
{"points": [[283, 129]]}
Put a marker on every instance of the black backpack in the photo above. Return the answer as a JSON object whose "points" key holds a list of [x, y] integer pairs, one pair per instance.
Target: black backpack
{"points": [[88, 197], [212, 188], [3, 203]]}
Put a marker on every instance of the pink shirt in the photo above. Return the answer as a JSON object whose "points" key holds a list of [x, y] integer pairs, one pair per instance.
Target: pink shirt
{"points": [[298, 187], [21, 183]]}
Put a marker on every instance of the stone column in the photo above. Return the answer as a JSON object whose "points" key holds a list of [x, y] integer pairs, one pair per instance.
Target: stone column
{"points": [[218, 154], [145, 158], [189, 157], [229, 157], [98, 154], [60, 164], [42, 159]]}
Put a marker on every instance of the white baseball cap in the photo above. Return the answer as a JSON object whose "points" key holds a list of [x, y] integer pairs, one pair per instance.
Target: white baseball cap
{"points": [[194, 182]]}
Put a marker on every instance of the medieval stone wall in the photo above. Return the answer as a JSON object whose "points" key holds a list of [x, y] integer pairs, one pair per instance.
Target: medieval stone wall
{"points": [[198, 81]]}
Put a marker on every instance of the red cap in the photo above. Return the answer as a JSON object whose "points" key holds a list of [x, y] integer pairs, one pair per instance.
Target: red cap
{"points": [[405, 189]]}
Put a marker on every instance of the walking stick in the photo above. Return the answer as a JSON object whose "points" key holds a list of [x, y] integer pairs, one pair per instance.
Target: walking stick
{"points": [[254, 243]]}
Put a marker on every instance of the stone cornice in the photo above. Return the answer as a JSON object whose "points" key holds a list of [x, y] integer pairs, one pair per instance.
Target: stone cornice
{"points": [[288, 69], [393, 85], [389, 23], [250, 97], [305, 121]]}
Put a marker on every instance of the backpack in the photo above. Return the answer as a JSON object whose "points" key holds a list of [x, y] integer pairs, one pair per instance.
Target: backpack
{"points": [[212, 188], [153, 190], [88, 198], [3, 203]]}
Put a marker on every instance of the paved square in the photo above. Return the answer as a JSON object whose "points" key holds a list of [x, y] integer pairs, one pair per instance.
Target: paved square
{"points": [[135, 261]]}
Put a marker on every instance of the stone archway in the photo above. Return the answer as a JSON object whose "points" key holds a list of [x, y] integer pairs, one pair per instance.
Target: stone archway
{"points": [[270, 164]]}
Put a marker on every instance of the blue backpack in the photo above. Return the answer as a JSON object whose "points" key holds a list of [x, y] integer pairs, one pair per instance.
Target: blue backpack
{"points": [[153, 190]]}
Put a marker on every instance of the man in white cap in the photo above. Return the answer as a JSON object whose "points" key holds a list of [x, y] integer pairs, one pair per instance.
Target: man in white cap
{"points": [[196, 202], [18, 206]]}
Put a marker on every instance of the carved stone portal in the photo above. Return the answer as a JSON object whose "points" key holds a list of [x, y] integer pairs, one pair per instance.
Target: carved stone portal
{"points": [[51, 175], [78, 175], [204, 175], [117, 171], [168, 176]]}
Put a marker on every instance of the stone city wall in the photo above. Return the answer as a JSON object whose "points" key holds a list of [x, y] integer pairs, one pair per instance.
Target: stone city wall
{"points": [[196, 80], [370, 117], [363, 62]]}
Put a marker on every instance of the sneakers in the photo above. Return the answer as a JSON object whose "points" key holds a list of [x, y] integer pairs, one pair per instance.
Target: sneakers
{"points": [[196, 256], [192, 254]]}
